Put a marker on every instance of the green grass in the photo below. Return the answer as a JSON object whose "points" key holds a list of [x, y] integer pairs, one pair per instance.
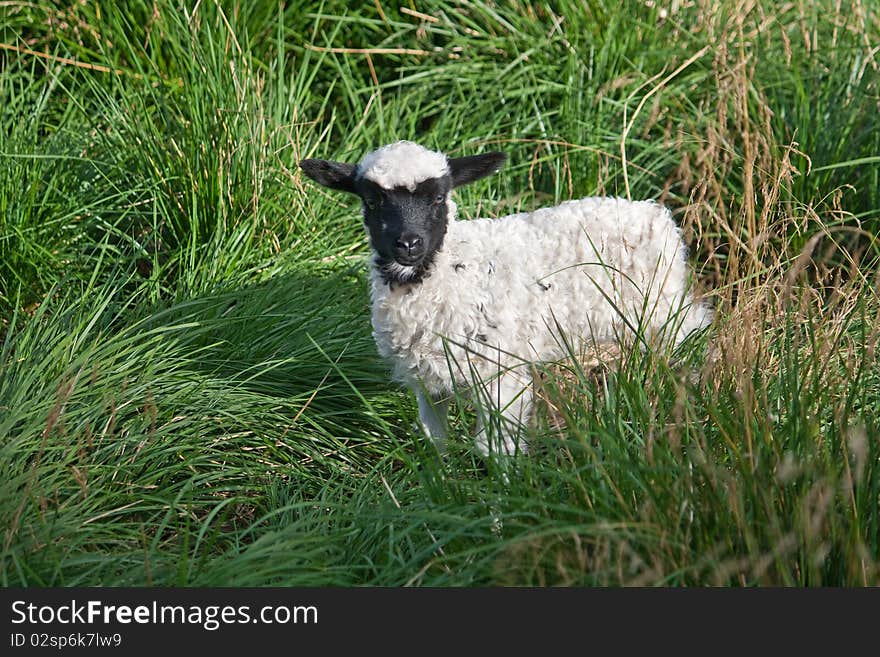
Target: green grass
{"points": [[189, 392]]}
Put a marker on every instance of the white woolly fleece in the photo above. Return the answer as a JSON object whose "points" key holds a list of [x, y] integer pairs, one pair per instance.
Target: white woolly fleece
{"points": [[402, 164], [500, 289]]}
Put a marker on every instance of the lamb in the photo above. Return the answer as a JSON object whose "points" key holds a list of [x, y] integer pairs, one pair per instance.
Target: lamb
{"points": [[467, 305]]}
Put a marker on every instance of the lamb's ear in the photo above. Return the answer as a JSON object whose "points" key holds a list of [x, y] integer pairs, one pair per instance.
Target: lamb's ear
{"points": [[473, 167], [336, 175]]}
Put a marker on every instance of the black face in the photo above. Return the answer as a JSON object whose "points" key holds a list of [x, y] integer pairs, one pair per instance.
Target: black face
{"points": [[406, 228]]}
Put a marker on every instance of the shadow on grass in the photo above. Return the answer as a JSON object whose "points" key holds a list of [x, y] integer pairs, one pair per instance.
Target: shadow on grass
{"points": [[300, 332]]}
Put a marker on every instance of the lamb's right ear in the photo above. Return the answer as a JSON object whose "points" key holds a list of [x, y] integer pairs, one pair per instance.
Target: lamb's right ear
{"points": [[336, 175], [473, 167]]}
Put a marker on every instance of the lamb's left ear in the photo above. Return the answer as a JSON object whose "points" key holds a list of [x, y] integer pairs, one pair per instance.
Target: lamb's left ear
{"points": [[336, 175], [473, 167]]}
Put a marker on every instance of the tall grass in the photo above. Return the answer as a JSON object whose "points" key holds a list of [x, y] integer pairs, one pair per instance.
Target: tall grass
{"points": [[189, 392]]}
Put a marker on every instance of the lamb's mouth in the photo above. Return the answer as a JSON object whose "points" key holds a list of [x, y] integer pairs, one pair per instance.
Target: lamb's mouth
{"points": [[408, 262], [401, 271]]}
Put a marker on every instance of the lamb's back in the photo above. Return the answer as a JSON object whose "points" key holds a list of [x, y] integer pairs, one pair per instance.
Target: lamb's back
{"points": [[569, 260]]}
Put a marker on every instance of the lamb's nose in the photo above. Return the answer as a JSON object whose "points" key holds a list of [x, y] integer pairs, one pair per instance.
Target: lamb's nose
{"points": [[409, 243]]}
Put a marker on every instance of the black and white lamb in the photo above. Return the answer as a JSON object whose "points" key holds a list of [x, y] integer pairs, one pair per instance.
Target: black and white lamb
{"points": [[463, 305]]}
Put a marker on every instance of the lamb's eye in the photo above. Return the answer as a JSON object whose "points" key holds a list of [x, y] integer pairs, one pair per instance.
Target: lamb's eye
{"points": [[371, 203], [439, 199]]}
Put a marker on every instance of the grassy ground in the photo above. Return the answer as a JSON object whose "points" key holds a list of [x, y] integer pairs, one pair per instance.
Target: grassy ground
{"points": [[189, 393]]}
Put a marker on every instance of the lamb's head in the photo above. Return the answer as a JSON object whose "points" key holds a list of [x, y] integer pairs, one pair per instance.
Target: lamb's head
{"points": [[405, 193]]}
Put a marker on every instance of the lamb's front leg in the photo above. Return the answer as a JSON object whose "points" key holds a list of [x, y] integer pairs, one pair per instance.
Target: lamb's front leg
{"points": [[433, 413], [511, 394]]}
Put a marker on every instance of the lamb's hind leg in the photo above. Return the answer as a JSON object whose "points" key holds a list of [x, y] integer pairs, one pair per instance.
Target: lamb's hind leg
{"points": [[500, 433], [433, 413]]}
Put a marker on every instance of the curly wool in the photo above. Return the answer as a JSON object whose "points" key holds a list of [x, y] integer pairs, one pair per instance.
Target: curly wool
{"points": [[402, 164], [501, 290]]}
